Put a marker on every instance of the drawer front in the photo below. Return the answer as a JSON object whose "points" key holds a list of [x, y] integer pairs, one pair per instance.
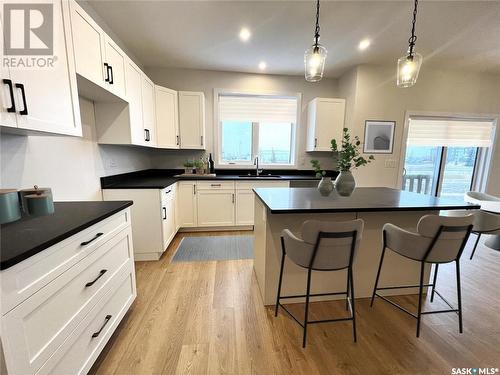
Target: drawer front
{"points": [[215, 185], [25, 278], [39, 325], [168, 193], [248, 185], [81, 349]]}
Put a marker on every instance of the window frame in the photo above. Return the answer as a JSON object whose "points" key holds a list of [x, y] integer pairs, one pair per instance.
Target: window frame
{"points": [[255, 132]]}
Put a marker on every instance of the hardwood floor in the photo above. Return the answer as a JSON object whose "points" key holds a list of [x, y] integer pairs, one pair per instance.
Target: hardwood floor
{"points": [[208, 318]]}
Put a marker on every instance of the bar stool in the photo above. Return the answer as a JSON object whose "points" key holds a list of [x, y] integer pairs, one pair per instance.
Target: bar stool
{"points": [[324, 246], [439, 239]]}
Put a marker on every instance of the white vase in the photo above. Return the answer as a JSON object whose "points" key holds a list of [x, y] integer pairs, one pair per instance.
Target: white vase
{"points": [[345, 183], [325, 186]]}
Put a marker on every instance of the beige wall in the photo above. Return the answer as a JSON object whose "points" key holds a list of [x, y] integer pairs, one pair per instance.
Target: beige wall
{"points": [[377, 98], [207, 81]]}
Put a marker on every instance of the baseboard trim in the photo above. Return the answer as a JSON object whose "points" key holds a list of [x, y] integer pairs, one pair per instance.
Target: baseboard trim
{"points": [[141, 257], [216, 229]]}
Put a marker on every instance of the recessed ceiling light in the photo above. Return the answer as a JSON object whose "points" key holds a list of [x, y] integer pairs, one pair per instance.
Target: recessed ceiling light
{"points": [[364, 44], [262, 65], [245, 34]]}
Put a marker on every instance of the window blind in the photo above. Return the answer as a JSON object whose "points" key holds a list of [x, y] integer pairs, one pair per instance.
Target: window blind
{"points": [[450, 132], [257, 108]]}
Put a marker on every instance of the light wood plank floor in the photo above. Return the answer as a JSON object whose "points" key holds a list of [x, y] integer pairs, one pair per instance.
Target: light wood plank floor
{"points": [[208, 318]]}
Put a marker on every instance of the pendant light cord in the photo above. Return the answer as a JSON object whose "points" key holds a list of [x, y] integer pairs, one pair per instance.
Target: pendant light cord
{"points": [[413, 37], [316, 32]]}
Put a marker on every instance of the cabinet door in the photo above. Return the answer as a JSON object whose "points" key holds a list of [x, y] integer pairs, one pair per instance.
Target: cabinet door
{"points": [[88, 40], [329, 122], [167, 118], [186, 195], [148, 111], [215, 208], [168, 216], [192, 120], [244, 207], [7, 102], [115, 60], [133, 81], [47, 99]]}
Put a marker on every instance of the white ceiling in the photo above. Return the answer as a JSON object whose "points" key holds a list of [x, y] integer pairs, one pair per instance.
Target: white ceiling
{"points": [[204, 34]]}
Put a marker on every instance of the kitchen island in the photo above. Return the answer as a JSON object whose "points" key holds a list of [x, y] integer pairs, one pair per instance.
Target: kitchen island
{"points": [[280, 208]]}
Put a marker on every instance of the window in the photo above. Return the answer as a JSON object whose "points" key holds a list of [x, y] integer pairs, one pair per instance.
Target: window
{"points": [[257, 125]]}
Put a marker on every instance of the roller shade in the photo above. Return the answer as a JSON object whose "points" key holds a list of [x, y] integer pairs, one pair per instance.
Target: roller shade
{"points": [[257, 108], [450, 132]]}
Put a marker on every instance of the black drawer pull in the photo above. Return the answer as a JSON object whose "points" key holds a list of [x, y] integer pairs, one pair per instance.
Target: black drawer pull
{"points": [[92, 239], [147, 138], [164, 213], [215, 185], [110, 75], [12, 107], [106, 320], [97, 278], [23, 95], [106, 68]]}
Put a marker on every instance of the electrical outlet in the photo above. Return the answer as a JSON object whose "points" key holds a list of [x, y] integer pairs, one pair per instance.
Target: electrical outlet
{"points": [[390, 163]]}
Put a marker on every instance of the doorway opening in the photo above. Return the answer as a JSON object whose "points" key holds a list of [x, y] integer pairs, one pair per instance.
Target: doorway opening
{"points": [[446, 157]]}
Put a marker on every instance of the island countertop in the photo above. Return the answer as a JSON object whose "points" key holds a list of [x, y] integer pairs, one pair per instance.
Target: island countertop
{"points": [[363, 199]]}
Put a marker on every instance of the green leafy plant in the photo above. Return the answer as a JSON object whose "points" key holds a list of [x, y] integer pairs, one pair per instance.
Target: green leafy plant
{"points": [[188, 164], [348, 155], [198, 164], [317, 168]]}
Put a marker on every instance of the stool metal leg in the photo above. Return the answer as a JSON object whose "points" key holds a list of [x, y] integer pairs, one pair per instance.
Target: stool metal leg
{"points": [[281, 276], [378, 271], [459, 294], [434, 282], [347, 292], [351, 283], [420, 292], [475, 245], [306, 315]]}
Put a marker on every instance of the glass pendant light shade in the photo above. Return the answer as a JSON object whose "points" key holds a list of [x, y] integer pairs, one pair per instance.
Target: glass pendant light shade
{"points": [[314, 62], [408, 69]]}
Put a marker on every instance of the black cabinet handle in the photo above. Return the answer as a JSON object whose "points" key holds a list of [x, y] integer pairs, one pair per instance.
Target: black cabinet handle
{"points": [[97, 278], [164, 213], [106, 321], [147, 139], [177, 140], [201, 138], [92, 239], [12, 107], [110, 74], [23, 94], [315, 142], [106, 67]]}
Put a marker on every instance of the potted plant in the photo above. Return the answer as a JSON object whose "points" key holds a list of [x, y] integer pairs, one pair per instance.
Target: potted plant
{"points": [[188, 167], [348, 157], [200, 166], [325, 186]]}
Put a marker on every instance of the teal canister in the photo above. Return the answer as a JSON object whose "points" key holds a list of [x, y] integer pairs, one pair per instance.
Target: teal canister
{"points": [[35, 190], [39, 204], [10, 209]]}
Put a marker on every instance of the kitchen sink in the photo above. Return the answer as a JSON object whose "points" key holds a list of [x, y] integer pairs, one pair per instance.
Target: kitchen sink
{"points": [[260, 176]]}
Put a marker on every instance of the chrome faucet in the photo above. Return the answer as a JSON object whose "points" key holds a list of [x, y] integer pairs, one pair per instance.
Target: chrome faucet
{"points": [[256, 163]]}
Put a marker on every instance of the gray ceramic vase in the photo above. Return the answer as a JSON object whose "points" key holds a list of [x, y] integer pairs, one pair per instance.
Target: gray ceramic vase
{"points": [[345, 183], [325, 186]]}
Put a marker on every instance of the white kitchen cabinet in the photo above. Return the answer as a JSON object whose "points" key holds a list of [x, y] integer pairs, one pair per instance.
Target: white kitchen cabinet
{"points": [[167, 117], [187, 204], [245, 199], [115, 67], [45, 100], [148, 111], [7, 103], [215, 200], [325, 121], [133, 81], [168, 214], [192, 120]]}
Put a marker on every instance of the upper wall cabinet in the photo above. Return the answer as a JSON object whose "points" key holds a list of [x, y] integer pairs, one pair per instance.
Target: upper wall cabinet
{"points": [[148, 111], [325, 121], [167, 118], [192, 120], [44, 99], [98, 58]]}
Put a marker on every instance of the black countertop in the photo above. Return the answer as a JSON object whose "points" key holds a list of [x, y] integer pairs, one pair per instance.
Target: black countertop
{"points": [[309, 200], [28, 236], [162, 178]]}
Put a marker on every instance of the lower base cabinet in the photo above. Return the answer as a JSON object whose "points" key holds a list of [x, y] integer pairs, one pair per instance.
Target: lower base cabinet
{"points": [[65, 321]]}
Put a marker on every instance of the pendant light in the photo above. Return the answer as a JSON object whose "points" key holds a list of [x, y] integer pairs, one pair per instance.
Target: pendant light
{"points": [[315, 56], [409, 65]]}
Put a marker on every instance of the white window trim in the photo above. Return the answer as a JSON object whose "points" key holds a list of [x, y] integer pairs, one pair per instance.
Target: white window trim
{"points": [[485, 165], [217, 135]]}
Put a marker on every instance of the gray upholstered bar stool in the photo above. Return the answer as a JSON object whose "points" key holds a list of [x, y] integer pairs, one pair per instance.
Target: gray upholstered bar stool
{"points": [[324, 246], [439, 239]]}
